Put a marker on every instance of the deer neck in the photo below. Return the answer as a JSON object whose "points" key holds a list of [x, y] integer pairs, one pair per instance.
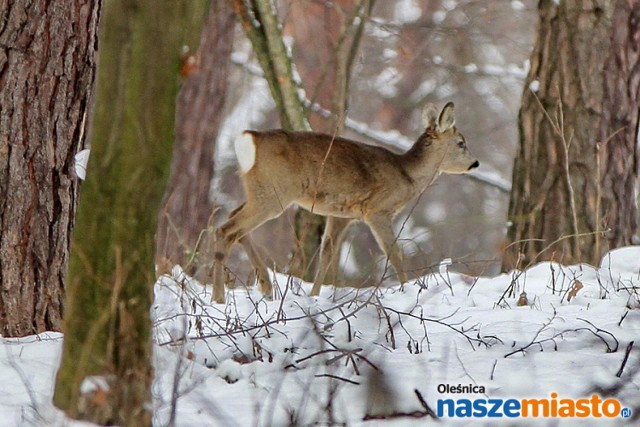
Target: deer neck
{"points": [[423, 161]]}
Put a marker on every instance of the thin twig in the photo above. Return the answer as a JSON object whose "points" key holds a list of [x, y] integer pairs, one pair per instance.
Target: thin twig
{"points": [[625, 359]]}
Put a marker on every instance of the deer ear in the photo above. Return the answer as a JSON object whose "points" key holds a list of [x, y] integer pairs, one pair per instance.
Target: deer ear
{"points": [[447, 117], [429, 115]]}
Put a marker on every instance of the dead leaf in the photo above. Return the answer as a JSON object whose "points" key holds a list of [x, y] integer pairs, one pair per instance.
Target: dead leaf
{"points": [[188, 64], [469, 280], [577, 285], [522, 301], [99, 397], [242, 359]]}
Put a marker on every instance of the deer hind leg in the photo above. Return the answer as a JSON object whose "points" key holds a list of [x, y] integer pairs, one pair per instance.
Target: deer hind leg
{"points": [[334, 232], [241, 222], [388, 242], [259, 267]]}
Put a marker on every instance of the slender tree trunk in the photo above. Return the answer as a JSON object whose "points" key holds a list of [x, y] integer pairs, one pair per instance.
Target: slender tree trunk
{"points": [[107, 325], [262, 27], [276, 64], [187, 207], [47, 67], [573, 193], [260, 23], [324, 31]]}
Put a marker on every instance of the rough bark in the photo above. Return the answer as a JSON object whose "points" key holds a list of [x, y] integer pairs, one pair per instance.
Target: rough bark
{"points": [[187, 206], [109, 292], [618, 131], [573, 196], [47, 67]]}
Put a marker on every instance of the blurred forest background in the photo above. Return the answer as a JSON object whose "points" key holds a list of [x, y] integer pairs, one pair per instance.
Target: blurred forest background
{"points": [[410, 53], [554, 85]]}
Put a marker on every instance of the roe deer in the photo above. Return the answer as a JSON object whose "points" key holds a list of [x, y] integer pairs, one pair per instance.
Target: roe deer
{"points": [[342, 179]]}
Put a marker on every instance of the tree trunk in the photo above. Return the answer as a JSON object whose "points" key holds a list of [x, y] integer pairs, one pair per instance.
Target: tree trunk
{"points": [[573, 178], [47, 67], [620, 126], [109, 294], [187, 207], [261, 25], [322, 32], [343, 36]]}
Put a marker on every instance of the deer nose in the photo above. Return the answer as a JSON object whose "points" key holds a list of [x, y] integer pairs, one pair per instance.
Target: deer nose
{"points": [[474, 165]]}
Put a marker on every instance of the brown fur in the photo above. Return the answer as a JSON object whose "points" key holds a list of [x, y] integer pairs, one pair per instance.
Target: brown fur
{"points": [[341, 179]]}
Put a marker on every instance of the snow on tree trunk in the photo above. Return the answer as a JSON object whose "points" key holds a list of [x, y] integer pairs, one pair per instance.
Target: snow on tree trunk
{"points": [[573, 194], [47, 68]]}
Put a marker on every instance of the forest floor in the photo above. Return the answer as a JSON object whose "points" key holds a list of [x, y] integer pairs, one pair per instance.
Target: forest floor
{"points": [[472, 351]]}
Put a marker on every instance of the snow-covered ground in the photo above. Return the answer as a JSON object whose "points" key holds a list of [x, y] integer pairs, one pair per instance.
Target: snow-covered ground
{"points": [[380, 357]]}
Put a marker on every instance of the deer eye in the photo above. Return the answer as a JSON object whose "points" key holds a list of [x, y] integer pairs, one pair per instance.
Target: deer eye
{"points": [[461, 144]]}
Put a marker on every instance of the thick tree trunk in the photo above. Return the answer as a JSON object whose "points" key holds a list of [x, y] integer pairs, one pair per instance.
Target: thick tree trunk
{"points": [[573, 193], [47, 67], [618, 131], [187, 208], [109, 294]]}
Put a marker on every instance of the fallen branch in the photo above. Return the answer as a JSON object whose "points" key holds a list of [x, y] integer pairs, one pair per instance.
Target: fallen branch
{"points": [[427, 412], [625, 359]]}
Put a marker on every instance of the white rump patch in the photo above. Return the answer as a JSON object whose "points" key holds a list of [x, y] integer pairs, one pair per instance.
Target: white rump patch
{"points": [[245, 148]]}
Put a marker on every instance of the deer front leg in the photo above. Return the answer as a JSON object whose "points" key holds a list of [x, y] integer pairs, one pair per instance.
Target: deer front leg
{"points": [[334, 232], [381, 227]]}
